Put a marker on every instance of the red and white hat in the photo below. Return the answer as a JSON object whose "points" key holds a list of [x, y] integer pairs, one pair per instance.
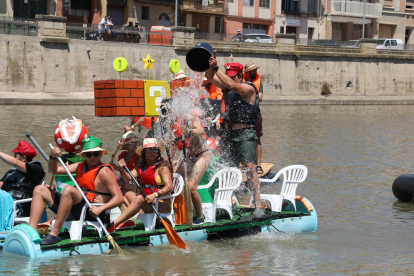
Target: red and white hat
{"points": [[179, 75], [127, 138], [149, 143]]}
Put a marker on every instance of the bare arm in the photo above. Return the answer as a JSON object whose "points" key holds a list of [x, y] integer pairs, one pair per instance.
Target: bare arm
{"points": [[221, 80], [196, 128], [11, 161], [165, 174], [1, 184], [125, 176], [59, 170], [260, 97]]}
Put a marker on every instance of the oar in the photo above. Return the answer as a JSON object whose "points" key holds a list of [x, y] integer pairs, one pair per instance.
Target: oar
{"points": [[172, 236], [113, 155], [187, 194], [37, 146], [108, 236]]}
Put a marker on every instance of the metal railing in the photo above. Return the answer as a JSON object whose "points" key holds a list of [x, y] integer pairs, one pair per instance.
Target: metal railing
{"points": [[347, 7], [18, 26]]}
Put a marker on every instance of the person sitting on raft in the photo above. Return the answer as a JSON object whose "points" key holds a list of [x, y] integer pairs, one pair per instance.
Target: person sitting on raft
{"points": [[26, 174], [198, 157], [97, 180], [128, 144], [154, 175]]}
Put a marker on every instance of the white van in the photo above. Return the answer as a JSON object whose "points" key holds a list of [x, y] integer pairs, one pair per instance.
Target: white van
{"points": [[390, 44], [258, 38]]}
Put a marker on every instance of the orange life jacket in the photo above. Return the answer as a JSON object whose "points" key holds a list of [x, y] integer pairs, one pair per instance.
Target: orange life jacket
{"points": [[214, 93], [86, 180], [146, 123], [179, 135], [256, 81]]}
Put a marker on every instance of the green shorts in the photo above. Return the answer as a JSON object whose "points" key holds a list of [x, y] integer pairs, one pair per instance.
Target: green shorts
{"points": [[243, 146]]}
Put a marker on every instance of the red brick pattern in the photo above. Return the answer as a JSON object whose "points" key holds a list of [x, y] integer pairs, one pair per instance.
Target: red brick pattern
{"points": [[119, 98]]}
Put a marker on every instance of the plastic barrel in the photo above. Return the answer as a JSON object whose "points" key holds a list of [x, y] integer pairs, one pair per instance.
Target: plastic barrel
{"points": [[207, 195], [197, 58], [62, 181], [403, 187]]}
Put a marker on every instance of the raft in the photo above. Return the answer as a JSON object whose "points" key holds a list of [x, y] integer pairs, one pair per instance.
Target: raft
{"points": [[24, 240], [403, 187]]}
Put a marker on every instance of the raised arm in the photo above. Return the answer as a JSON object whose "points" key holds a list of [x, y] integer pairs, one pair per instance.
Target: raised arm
{"points": [[11, 161], [221, 80]]}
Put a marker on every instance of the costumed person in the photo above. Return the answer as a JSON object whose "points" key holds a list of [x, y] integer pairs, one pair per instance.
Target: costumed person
{"points": [[96, 179], [240, 118], [198, 157], [23, 177], [128, 144], [154, 175], [251, 75]]}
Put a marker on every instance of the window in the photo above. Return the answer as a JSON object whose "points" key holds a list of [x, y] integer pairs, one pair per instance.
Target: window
{"points": [[290, 6], [145, 13], [254, 26], [393, 42], [231, 1], [248, 3], [264, 4], [217, 25], [282, 29]]}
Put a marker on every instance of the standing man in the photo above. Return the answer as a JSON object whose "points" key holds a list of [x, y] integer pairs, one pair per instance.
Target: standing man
{"points": [[251, 75], [26, 174], [97, 181], [102, 27], [240, 118]]}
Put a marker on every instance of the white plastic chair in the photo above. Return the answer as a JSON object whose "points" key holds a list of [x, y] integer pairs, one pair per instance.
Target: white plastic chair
{"points": [[229, 180], [292, 176], [75, 227], [20, 219], [149, 219]]}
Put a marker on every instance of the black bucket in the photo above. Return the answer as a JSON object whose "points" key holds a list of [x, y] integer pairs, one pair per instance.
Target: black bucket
{"points": [[197, 58]]}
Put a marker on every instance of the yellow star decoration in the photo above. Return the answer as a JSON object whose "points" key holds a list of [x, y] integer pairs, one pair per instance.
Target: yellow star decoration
{"points": [[148, 62]]}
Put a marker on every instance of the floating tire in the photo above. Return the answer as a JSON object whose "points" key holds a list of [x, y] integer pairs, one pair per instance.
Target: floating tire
{"points": [[403, 187]]}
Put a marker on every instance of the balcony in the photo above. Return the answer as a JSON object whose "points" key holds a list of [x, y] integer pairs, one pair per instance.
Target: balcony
{"points": [[197, 6], [161, 2], [356, 9]]}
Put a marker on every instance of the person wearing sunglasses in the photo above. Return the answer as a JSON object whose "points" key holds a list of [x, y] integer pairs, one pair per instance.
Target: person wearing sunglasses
{"points": [[239, 142], [96, 179], [24, 176], [154, 175]]}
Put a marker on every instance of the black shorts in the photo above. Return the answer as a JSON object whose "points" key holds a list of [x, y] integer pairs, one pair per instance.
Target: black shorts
{"points": [[76, 210]]}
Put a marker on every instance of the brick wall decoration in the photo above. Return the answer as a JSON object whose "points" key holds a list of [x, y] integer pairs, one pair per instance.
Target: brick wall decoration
{"points": [[115, 98]]}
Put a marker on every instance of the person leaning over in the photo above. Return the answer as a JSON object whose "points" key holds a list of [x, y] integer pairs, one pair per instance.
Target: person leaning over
{"points": [[242, 111], [97, 180], [154, 175], [26, 174], [251, 75]]}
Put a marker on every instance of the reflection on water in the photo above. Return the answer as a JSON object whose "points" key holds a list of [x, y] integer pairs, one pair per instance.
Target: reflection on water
{"points": [[353, 154]]}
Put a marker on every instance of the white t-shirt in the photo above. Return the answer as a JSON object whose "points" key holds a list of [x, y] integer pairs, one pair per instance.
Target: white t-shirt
{"points": [[103, 22]]}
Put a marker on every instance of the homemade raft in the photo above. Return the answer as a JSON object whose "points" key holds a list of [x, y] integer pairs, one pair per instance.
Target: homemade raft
{"points": [[24, 240]]}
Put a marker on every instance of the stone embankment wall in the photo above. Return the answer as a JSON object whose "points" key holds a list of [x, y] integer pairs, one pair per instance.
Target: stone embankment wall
{"points": [[33, 64]]}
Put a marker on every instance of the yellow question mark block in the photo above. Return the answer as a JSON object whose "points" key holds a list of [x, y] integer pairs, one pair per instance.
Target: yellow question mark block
{"points": [[120, 64]]}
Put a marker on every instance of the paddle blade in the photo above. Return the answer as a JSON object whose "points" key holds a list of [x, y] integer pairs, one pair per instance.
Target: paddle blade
{"points": [[115, 246], [173, 237]]}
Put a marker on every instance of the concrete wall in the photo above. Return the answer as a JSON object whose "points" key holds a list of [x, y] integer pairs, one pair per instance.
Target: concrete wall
{"points": [[27, 65]]}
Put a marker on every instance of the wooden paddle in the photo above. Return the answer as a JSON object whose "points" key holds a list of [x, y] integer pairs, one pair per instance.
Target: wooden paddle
{"points": [[172, 236], [113, 155], [187, 193], [108, 236]]}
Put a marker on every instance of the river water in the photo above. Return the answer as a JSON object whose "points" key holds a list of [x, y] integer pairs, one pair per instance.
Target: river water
{"points": [[353, 154]]}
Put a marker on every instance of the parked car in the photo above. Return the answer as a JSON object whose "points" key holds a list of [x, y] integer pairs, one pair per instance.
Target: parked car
{"points": [[390, 43], [324, 42], [258, 38], [351, 44]]}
